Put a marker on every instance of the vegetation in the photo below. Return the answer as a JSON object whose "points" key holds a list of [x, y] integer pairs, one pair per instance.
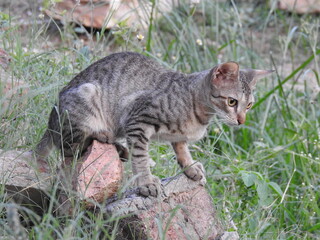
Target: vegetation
{"points": [[266, 174]]}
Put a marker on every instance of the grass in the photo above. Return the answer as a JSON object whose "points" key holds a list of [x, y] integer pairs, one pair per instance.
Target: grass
{"points": [[265, 174]]}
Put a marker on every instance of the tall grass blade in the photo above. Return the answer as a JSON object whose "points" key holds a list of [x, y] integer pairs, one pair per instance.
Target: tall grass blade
{"points": [[302, 66]]}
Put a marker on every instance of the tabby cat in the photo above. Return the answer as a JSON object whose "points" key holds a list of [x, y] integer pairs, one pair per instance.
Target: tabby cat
{"points": [[129, 96]]}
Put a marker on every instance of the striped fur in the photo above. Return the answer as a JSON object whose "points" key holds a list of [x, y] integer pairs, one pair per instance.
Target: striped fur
{"points": [[127, 95]]}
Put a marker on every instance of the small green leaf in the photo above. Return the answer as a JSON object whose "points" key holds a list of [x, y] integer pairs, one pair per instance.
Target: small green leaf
{"points": [[248, 178], [4, 16], [276, 188], [264, 193], [262, 190]]}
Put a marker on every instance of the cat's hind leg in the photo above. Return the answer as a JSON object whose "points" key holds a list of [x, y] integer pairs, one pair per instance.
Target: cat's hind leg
{"points": [[193, 170]]}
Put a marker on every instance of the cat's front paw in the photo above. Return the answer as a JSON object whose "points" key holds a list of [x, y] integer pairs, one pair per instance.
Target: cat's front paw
{"points": [[152, 188], [196, 172]]}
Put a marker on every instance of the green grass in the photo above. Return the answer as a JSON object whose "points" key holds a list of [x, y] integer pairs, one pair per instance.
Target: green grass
{"points": [[266, 175]]}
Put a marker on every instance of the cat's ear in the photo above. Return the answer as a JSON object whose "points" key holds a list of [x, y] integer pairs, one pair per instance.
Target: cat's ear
{"points": [[254, 75], [225, 73]]}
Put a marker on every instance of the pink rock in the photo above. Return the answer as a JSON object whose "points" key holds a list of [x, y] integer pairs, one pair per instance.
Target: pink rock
{"points": [[183, 211], [187, 214], [100, 173], [300, 6]]}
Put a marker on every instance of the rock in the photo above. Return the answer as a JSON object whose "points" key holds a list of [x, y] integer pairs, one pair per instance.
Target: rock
{"points": [[183, 211], [100, 174], [300, 6], [22, 183], [96, 14], [107, 14], [229, 236]]}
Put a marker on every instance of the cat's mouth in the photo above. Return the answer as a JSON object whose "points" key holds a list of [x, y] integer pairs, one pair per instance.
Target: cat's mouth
{"points": [[231, 124], [228, 121]]}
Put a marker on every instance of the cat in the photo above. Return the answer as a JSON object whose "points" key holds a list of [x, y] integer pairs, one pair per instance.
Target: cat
{"points": [[130, 96]]}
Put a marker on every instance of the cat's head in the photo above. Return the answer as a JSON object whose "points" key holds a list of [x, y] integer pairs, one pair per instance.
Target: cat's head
{"points": [[231, 91]]}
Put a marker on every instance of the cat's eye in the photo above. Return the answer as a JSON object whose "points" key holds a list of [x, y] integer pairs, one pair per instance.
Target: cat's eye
{"points": [[232, 102], [249, 105]]}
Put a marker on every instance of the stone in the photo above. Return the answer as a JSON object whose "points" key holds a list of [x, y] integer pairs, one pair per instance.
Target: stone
{"points": [[300, 6], [22, 183], [108, 14], [100, 174], [183, 211]]}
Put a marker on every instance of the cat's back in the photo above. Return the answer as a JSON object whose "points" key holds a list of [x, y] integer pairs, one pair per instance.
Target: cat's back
{"points": [[129, 69]]}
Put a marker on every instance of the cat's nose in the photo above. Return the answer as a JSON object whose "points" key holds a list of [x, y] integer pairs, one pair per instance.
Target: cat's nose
{"points": [[241, 119]]}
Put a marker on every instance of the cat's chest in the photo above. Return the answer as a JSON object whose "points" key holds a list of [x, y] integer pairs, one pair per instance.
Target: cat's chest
{"points": [[187, 132]]}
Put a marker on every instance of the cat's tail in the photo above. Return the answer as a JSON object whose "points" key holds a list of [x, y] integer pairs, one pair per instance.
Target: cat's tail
{"points": [[42, 150]]}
